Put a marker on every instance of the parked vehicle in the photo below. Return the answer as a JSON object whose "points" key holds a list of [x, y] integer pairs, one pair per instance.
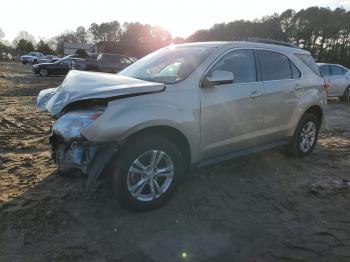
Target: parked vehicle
{"points": [[61, 67], [112, 63], [31, 57], [91, 62], [338, 78], [182, 106], [48, 59]]}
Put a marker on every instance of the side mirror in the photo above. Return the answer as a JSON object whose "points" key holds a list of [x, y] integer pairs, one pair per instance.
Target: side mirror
{"points": [[218, 78]]}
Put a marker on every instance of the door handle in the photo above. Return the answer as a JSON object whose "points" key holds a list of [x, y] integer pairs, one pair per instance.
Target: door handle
{"points": [[255, 94]]}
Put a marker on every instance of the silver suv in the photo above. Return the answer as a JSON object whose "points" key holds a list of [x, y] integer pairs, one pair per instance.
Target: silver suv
{"points": [[183, 106]]}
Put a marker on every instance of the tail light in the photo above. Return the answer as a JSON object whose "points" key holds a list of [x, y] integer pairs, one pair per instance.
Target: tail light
{"points": [[326, 86]]}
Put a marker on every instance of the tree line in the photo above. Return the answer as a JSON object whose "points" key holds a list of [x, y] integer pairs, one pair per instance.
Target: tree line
{"points": [[322, 31]]}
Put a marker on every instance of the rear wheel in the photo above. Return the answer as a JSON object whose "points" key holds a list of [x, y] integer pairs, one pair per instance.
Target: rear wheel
{"points": [[43, 72], [24, 62], [305, 136], [346, 95], [146, 173]]}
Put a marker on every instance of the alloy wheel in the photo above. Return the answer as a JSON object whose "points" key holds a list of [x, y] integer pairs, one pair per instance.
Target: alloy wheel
{"points": [[150, 175], [307, 136], [43, 72]]}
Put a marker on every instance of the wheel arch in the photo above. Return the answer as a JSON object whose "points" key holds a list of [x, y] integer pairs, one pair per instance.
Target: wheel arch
{"points": [[317, 111], [171, 133]]}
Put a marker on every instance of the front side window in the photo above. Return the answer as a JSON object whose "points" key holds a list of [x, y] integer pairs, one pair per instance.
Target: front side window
{"points": [[65, 62], [168, 65], [274, 66], [240, 62]]}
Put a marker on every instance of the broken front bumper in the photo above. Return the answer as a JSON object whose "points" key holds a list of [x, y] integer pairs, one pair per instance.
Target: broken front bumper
{"points": [[80, 154], [73, 153]]}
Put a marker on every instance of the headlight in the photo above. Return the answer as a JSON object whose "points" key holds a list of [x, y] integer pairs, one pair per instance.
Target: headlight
{"points": [[69, 124]]}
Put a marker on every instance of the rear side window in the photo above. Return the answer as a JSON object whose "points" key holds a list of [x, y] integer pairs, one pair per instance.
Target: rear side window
{"points": [[337, 70], [241, 63], [309, 62], [325, 70], [275, 66]]}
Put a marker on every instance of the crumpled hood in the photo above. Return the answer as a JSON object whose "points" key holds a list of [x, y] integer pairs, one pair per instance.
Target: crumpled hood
{"points": [[81, 85]]}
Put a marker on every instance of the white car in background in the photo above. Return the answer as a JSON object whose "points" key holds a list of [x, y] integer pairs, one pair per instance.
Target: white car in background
{"points": [[338, 78], [31, 57]]}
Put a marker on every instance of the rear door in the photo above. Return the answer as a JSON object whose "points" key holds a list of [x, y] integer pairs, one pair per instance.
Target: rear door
{"points": [[232, 114], [338, 80], [282, 86]]}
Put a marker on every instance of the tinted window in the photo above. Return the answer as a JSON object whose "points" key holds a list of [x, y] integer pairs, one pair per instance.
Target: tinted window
{"points": [[274, 66], [241, 63], [337, 70], [309, 62], [65, 62], [295, 71], [325, 70]]}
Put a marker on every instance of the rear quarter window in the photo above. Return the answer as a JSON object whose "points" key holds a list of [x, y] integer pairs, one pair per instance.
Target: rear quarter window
{"points": [[309, 62]]}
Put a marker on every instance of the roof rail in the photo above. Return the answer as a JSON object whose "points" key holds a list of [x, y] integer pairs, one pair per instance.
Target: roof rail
{"points": [[271, 42]]}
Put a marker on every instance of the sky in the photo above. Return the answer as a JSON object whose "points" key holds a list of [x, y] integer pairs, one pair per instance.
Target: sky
{"points": [[45, 19]]}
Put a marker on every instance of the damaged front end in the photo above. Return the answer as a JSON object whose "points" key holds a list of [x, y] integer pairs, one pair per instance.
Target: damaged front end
{"points": [[76, 104], [70, 149]]}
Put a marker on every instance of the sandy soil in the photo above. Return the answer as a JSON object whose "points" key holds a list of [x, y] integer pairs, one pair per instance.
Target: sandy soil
{"points": [[265, 207]]}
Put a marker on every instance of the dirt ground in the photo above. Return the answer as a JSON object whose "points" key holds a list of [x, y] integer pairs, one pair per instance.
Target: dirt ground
{"points": [[265, 207]]}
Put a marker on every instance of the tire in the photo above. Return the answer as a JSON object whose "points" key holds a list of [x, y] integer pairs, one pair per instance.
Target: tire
{"points": [[297, 147], [346, 95], [43, 72], [124, 181], [24, 62]]}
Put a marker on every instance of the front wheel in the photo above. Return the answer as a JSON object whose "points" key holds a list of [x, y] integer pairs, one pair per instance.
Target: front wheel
{"points": [[43, 72], [305, 136], [147, 173]]}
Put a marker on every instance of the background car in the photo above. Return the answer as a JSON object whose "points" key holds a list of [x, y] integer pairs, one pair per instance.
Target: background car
{"points": [[338, 78], [61, 67], [91, 62], [31, 57], [112, 63], [48, 59]]}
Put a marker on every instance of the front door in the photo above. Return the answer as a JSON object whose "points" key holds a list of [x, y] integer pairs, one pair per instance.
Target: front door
{"points": [[232, 114]]}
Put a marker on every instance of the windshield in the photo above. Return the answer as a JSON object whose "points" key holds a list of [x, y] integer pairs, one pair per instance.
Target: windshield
{"points": [[168, 65]]}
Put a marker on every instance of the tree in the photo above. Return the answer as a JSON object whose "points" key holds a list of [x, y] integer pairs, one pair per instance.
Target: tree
{"points": [[25, 36], [81, 35], [23, 46], [2, 34], [44, 48]]}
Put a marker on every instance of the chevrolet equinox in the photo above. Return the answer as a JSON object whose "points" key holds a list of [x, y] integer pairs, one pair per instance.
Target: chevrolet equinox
{"points": [[182, 106]]}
